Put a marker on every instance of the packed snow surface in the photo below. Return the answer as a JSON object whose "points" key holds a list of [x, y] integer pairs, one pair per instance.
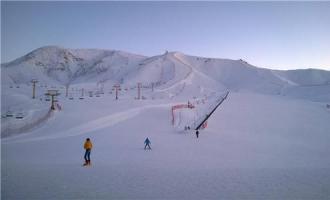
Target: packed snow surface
{"points": [[268, 140], [255, 147]]}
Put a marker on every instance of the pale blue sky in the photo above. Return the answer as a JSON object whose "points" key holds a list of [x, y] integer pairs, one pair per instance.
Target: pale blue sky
{"points": [[281, 35]]}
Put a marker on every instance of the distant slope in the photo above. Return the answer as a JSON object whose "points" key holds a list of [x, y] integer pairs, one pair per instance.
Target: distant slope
{"points": [[306, 77]]}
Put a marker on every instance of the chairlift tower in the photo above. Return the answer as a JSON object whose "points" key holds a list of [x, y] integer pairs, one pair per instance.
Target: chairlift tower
{"points": [[139, 90], [82, 93], [117, 88], [34, 81], [102, 88], [52, 93], [152, 86], [66, 90]]}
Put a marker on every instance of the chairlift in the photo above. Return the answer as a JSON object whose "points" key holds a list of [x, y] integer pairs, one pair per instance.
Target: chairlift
{"points": [[9, 114], [19, 116], [47, 99], [81, 98], [71, 98]]}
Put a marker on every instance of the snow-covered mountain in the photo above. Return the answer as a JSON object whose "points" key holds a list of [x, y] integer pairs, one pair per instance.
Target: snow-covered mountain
{"points": [[65, 66], [172, 70], [267, 140]]}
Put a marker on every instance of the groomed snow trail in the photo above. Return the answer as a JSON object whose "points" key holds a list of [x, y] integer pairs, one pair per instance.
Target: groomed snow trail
{"points": [[93, 125], [186, 79], [193, 70], [255, 147]]}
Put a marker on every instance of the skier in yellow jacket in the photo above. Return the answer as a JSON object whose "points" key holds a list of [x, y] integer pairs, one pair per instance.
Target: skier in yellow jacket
{"points": [[88, 147]]}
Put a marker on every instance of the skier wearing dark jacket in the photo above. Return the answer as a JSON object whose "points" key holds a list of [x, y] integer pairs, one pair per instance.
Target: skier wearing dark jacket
{"points": [[147, 143]]}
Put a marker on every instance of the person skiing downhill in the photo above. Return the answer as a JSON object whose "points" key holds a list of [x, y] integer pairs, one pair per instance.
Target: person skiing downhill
{"points": [[88, 147], [197, 133], [147, 142]]}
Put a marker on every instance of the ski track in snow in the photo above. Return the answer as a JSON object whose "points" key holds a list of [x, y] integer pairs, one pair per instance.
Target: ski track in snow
{"points": [[284, 79], [192, 69], [94, 125], [188, 77]]}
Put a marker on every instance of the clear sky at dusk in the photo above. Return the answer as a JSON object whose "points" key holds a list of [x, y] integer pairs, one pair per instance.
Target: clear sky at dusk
{"points": [[281, 35]]}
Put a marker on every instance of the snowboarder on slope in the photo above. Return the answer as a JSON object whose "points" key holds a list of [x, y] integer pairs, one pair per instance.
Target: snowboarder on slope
{"points": [[147, 142], [88, 147], [197, 133]]}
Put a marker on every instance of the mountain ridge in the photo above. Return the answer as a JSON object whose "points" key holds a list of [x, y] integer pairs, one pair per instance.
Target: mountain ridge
{"points": [[169, 71]]}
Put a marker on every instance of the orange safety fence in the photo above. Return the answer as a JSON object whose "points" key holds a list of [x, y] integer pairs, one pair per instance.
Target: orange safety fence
{"points": [[180, 106]]}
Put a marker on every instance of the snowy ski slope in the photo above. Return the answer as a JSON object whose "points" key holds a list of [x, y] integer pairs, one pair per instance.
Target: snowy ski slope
{"points": [[268, 140]]}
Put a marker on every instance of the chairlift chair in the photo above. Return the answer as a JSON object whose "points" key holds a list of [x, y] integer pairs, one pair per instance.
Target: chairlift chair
{"points": [[9, 114], [90, 93], [19, 116]]}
